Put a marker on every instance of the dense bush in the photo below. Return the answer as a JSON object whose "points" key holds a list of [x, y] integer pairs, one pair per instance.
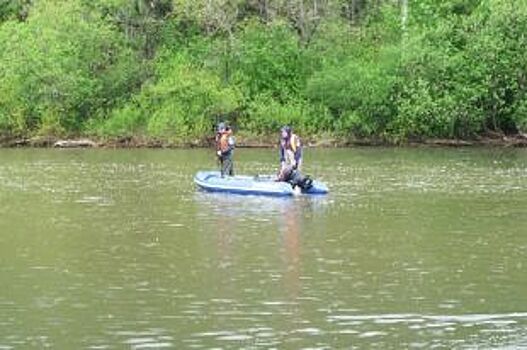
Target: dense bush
{"points": [[182, 102], [466, 75], [358, 92], [267, 59], [265, 115], [171, 69], [59, 68]]}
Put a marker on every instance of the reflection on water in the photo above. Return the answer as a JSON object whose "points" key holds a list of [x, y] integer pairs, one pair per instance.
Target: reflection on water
{"points": [[233, 216], [421, 248]]}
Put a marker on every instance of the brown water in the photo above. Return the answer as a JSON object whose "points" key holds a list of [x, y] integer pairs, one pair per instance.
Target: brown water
{"points": [[116, 249]]}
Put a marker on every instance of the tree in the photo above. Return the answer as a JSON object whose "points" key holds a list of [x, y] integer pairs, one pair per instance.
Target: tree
{"points": [[59, 70], [14, 9]]}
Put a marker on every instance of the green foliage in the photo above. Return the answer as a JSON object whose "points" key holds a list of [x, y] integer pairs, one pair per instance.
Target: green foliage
{"points": [[57, 70], [333, 42], [266, 115], [183, 102], [436, 89], [465, 76], [186, 100], [355, 77], [268, 60], [14, 9], [125, 121], [171, 68], [358, 92], [520, 114]]}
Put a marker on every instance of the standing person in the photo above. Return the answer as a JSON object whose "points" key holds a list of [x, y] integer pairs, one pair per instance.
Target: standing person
{"points": [[290, 149], [225, 148]]}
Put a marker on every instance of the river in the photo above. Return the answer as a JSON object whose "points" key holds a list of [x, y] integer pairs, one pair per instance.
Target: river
{"points": [[117, 249]]}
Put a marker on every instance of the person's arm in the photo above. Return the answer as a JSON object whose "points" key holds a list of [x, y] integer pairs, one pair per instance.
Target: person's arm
{"points": [[298, 158], [298, 154], [282, 155], [231, 142], [217, 142]]}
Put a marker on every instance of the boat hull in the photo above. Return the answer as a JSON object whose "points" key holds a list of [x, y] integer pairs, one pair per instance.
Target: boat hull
{"points": [[248, 185]]}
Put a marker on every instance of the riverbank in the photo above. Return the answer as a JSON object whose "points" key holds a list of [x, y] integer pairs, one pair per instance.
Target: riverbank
{"points": [[244, 141]]}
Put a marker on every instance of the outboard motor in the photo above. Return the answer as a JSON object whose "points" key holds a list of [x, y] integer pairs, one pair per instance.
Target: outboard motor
{"points": [[296, 179]]}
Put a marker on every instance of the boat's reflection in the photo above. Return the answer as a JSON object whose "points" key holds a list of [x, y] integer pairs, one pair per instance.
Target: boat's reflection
{"points": [[271, 229], [245, 207], [244, 219], [291, 229]]}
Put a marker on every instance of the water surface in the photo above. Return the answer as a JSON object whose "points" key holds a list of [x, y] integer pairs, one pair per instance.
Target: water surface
{"points": [[116, 249]]}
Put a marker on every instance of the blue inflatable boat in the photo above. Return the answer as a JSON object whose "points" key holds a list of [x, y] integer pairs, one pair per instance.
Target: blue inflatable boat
{"points": [[251, 185]]}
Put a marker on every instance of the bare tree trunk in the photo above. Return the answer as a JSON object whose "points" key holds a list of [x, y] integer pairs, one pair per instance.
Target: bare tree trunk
{"points": [[228, 55], [302, 21], [352, 10], [208, 11], [265, 10]]}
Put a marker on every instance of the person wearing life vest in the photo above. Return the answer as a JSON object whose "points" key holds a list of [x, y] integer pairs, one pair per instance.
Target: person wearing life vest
{"points": [[290, 149], [225, 148]]}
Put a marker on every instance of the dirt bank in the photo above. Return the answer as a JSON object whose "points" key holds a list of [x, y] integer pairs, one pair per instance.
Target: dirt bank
{"points": [[244, 141]]}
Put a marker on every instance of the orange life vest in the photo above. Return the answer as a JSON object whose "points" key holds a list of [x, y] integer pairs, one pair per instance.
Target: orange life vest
{"points": [[222, 141]]}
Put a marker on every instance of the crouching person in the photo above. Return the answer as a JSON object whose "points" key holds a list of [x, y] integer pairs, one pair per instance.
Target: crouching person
{"points": [[295, 178]]}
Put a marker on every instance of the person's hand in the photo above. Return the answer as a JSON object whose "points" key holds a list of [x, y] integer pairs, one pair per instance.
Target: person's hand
{"points": [[278, 176], [218, 153]]}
